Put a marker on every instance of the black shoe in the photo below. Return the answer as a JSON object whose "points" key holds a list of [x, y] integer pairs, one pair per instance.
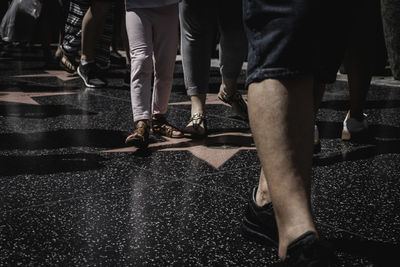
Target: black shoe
{"points": [[89, 75], [127, 76], [259, 222], [309, 251], [116, 58]]}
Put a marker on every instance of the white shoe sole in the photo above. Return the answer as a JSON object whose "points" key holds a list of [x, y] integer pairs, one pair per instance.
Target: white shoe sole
{"points": [[84, 81]]}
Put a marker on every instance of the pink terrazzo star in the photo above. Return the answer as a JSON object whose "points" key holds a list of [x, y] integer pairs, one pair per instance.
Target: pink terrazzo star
{"points": [[59, 74], [216, 149], [27, 98]]}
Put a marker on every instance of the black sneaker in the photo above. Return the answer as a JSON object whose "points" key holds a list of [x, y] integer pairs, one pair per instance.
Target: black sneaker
{"points": [[89, 75], [117, 59], [259, 222], [309, 251], [127, 76]]}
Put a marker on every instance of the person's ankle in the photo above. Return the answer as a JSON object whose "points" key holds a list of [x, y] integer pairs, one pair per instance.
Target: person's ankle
{"points": [[262, 197], [228, 86], [358, 115], [85, 62], [197, 110]]}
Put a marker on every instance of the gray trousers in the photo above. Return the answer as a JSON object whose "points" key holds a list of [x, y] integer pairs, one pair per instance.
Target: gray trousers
{"points": [[200, 22]]}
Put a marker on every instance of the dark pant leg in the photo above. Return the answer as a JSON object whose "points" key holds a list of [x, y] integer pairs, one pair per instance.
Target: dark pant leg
{"points": [[198, 29], [73, 27], [233, 41], [104, 41]]}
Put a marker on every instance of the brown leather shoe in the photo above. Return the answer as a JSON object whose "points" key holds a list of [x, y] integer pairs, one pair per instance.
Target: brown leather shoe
{"points": [[140, 136], [161, 126]]}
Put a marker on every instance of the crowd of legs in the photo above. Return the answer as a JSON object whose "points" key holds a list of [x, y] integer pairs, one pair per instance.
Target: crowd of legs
{"points": [[293, 49]]}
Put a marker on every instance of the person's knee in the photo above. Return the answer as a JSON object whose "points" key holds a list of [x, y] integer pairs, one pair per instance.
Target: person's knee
{"points": [[142, 62], [165, 77]]}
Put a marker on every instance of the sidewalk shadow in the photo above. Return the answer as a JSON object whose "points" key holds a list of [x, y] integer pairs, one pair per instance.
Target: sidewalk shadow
{"points": [[365, 152], [63, 138], [217, 138], [333, 130], [379, 253], [12, 165], [19, 110], [381, 139], [343, 105]]}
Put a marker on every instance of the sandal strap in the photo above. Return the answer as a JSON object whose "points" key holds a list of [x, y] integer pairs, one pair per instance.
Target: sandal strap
{"points": [[162, 126], [68, 62], [232, 98], [196, 119], [168, 130]]}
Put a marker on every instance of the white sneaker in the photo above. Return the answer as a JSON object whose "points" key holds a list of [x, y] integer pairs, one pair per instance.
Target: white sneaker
{"points": [[352, 126]]}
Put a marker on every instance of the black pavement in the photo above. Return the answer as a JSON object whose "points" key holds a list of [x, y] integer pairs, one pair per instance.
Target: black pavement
{"points": [[73, 194]]}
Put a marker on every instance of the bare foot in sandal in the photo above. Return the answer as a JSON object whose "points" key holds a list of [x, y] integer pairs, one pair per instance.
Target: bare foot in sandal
{"points": [[58, 54], [197, 126], [68, 63]]}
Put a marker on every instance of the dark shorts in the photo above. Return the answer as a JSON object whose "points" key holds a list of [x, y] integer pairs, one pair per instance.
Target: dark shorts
{"points": [[290, 38], [88, 2]]}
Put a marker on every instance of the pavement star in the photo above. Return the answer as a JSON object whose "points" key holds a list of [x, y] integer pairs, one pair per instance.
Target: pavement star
{"points": [[60, 74], [216, 149], [27, 98]]}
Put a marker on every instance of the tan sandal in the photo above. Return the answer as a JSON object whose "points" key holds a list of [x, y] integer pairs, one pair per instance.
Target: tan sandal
{"points": [[161, 126], [68, 63], [236, 101], [58, 54], [197, 126]]}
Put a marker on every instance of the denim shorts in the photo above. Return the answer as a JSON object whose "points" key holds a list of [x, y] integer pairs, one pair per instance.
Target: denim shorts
{"points": [[290, 38]]}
